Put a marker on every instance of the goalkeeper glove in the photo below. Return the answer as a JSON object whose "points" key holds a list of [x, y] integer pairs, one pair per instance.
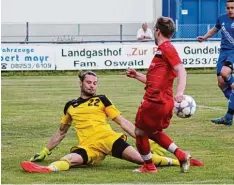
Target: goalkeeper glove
{"points": [[40, 156], [156, 148]]}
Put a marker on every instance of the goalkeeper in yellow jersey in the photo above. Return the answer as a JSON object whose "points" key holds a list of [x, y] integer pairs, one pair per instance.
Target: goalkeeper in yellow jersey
{"points": [[87, 115]]}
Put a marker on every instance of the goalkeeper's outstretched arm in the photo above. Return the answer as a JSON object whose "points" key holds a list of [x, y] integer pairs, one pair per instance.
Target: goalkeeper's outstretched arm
{"points": [[53, 142], [128, 127], [58, 137]]}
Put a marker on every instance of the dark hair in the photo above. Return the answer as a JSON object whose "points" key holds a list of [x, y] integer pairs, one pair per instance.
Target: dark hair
{"points": [[82, 75], [229, 1], [166, 26]]}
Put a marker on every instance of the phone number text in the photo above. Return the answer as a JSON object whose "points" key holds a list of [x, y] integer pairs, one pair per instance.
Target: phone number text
{"points": [[32, 66], [197, 61]]}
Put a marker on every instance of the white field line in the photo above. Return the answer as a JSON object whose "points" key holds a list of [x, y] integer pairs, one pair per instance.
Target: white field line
{"points": [[221, 181], [212, 108]]}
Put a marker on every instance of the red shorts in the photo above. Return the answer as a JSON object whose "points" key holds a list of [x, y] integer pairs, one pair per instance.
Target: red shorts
{"points": [[152, 117]]}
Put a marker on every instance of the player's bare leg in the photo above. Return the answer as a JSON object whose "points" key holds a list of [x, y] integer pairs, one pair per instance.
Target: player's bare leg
{"points": [[130, 154], [142, 143]]}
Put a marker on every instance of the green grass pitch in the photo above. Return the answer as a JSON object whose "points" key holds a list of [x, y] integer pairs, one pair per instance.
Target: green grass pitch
{"points": [[32, 107]]}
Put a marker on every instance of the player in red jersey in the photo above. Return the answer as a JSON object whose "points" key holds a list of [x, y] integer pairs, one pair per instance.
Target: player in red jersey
{"points": [[156, 109]]}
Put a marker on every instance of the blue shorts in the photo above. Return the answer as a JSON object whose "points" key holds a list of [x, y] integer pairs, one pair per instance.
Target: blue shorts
{"points": [[225, 55]]}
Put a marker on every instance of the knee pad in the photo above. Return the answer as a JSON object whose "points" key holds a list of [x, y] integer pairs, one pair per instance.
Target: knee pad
{"points": [[228, 64], [82, 152], [118, 147]]}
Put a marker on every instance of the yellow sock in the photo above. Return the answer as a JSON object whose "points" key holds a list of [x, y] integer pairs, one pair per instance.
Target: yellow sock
{"points": [[59, 166], [164, 161]]}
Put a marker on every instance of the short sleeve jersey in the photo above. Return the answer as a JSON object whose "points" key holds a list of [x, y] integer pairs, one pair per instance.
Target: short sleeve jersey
{"points": [[226, 25], [89, 116], [161, 74]]}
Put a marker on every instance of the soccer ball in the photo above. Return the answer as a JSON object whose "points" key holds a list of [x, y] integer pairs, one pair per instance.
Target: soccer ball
{"points": [[186, 108]]}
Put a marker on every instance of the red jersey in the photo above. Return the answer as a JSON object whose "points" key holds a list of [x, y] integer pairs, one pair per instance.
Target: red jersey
{"points": [[161, 74]]}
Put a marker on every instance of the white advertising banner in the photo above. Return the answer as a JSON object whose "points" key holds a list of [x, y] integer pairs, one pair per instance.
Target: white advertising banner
{"points": [[25, 57], [101, 56], [121, 56], [199, 55]]}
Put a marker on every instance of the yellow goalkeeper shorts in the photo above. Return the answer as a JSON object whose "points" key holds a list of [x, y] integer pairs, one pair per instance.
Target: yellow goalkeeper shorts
{"points": [[100, 147]]}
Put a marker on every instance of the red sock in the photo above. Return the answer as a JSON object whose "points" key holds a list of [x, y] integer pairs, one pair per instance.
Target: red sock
{"points": [[162, 139], [165, 141], [180, 154], [142, 144]]}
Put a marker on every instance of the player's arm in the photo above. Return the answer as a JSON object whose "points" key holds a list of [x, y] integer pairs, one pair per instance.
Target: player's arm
{"points": [[172, 57], [64, 126], [53, 142], [132, 73], [181, 83], [57, 137], [209, 34], [112, 112], [126, 125]]}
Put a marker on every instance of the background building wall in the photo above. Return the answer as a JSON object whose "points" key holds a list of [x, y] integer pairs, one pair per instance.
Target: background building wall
{"points": [[81, 11], [194, 17], [79, 20], [85, 20]]}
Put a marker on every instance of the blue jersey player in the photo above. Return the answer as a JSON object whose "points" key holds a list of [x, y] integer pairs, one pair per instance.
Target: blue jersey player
{"points": [[225, 64]]}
